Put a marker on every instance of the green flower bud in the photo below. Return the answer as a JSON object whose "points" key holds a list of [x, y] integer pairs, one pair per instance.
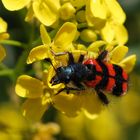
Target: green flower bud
{"points": [[88, 35], [66, 11], [80, 16]]}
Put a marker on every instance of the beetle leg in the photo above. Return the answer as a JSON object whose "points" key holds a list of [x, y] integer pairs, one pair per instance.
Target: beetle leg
{"points": [[102, 55], [81, 58], [58, 53], [79, 85], [71, 58], [68, 89], [103, 97]]}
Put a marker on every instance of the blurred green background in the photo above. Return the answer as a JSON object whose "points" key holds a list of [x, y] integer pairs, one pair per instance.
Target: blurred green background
{"points": [[122, 118]]}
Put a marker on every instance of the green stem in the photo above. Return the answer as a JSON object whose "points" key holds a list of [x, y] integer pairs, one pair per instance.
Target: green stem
{"points": [[6, 72], [21, 63], [2, 66], [13, 43], [20, 66]]}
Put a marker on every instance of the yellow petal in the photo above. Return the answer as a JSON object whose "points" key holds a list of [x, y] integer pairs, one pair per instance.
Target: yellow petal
{"points": [[11, 119], [116, 11], [89, 115], [68, 104], [90, 102], [65, 36], [78, 3], [99, 18], [46, 11], [118, 53], [3, 26], [95, 46], [66, 11], [128, 63], [44, 35], [2, 53], [81, 47], [38, 53], [33, 109], [15, 4], [30, 14], [30, 87], [107, 127], [98, 8], [49, 76], [121, 34], [129, 107], [108, 33], [4, 36]]}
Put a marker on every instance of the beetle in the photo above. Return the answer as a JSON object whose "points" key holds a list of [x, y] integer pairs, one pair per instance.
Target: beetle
{"points": [[95, 73]]}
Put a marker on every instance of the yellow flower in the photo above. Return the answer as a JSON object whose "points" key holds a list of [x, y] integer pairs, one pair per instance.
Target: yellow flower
{"points": [[62, 41], [45, 11], [42, 93], [108, 17], [12, 123], [3, 30], [39, 96], [106, 123], [2, 53], [3, 35], [45, 131], [116, 54]]}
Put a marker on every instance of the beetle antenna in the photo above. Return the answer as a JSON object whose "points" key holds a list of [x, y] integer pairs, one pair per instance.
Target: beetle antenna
{"points": [[50, 61]]}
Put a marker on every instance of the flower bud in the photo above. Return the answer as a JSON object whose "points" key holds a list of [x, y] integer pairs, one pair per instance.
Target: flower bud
{"points": [[80, 16], [88, 35], [66, 11]]}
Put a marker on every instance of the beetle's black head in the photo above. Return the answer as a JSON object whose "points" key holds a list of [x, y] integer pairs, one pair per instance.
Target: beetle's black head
{"points": [[62, 76]]}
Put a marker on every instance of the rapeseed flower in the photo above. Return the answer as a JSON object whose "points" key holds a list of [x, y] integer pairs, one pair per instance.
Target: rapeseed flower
{"points": [[12, 123], [2, 53], [14, 126], [3, 35], [45, 131], [82, 128], [41, 94], [45, 11], [106, 19]]}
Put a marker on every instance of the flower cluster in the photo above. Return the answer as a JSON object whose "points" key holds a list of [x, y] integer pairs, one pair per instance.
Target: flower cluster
{"points": [[14, 126], [41, 93], [94, 18], [78, 26]]}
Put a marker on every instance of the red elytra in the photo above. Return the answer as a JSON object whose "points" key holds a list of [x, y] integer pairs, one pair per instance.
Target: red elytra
{"points": [[117, 79]]}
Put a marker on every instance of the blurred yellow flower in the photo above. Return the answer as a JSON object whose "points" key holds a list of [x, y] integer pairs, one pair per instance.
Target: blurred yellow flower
{"points": [[15, 127], [104, 127], [45, 131], [3, 30], [38, 97], [45, 11], [3, 35], [2, 53], [12, 123]]}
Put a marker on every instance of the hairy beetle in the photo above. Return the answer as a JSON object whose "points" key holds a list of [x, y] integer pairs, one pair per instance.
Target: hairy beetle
{"points": [[94, 73]]}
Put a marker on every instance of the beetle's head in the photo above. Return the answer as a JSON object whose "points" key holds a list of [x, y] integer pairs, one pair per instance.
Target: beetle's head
{"points": [[62, 76]]}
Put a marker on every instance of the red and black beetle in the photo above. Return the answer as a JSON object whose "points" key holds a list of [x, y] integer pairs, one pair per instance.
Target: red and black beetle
{"points": [[94, 73]]}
